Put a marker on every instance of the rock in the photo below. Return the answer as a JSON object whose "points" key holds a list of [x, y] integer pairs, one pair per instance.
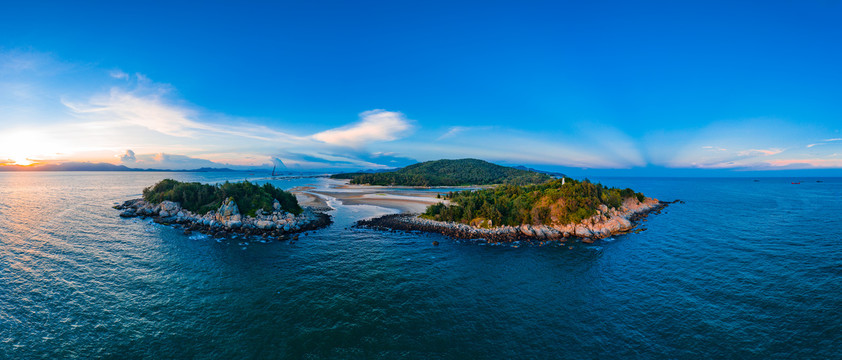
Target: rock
{"points": [[435, 243], [228, 208], [128, 213], [170, 206], [276, 205], [582, 231], [526, 230], [265, 224]]}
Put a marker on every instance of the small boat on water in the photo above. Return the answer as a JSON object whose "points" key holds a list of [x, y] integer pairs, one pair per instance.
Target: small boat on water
{"points": [[796, 183]]}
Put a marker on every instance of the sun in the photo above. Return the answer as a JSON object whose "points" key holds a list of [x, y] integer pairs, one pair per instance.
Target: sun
{"points": [[23, 147]]}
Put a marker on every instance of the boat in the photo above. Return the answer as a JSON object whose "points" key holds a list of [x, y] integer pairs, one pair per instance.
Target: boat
{"points": [[795, 183]]}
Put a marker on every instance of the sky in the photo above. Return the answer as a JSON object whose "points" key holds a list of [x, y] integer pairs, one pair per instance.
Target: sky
{"points": [[601, 87]]}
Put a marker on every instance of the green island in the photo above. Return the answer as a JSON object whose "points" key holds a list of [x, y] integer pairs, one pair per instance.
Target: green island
{"points": [[518, 204], [554, 202], [460, 172], [202, 198]]}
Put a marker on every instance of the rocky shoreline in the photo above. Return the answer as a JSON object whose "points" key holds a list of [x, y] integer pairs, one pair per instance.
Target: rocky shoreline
{"points": [[607, 222], [227, 220]]}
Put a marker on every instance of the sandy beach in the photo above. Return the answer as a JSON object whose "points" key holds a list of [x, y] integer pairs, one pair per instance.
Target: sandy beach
{"points": [[404, 199]]}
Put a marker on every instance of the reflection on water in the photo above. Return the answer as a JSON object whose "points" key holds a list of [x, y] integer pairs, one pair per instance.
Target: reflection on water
{"points": [[742, 270]]}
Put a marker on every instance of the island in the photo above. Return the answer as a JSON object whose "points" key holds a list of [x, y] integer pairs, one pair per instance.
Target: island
{"points": [[461, 172], [225, 209], [511, 205]]}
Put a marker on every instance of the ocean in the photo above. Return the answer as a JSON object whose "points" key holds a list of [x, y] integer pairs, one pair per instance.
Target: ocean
{"points": [[743, 269]]}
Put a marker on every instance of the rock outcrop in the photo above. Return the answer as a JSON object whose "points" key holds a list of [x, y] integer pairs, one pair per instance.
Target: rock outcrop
{"points": [[227, 218]]}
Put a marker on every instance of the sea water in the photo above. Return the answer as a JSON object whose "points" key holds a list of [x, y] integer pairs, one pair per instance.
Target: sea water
{"points": [[742, 269]]}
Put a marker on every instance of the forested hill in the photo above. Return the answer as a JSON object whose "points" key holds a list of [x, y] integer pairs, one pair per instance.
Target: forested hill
{"points": [[449, 173]]}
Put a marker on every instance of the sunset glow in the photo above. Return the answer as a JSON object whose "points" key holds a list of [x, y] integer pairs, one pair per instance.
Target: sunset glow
{"points": [[25, 147]]}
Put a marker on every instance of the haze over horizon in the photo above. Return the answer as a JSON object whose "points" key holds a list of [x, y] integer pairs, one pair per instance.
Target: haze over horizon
{"points": [[599, 88]]}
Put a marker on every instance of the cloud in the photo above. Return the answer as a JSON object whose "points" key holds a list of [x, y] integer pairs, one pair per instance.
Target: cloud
{"points": [[374, 125], [147, 110], [804, 163], [825, 141], [760, 152], [128, 157], [167, 161], [456, 130], [118, 74]]}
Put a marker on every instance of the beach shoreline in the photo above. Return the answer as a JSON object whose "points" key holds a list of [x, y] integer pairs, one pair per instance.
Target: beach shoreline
{"points": [[407, 200]]}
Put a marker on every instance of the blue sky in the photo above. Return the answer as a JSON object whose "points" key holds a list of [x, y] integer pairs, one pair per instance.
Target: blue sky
{"points": [[613, 87]]}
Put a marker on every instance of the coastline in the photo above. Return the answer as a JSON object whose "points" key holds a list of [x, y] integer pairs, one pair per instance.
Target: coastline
{"points": [[407, 200], [606, 223], [227, 220]]}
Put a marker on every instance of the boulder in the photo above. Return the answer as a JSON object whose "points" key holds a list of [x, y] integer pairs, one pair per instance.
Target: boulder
{"points": [[265, 224], [170, 207], [228, 208], [527, 230], [582, 231]]}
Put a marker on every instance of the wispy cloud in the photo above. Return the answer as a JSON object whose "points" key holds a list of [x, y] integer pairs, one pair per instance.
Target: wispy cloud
{"points": [[456, 130], [374, 125], [760, 152], [118, 74], [824, 142]]}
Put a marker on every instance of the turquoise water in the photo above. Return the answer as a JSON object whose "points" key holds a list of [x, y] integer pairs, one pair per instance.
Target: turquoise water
{"points": [[742, 270]]}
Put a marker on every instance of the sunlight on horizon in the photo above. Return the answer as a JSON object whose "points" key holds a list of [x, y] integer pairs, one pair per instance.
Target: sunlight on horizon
{"points": [[24, 147]]}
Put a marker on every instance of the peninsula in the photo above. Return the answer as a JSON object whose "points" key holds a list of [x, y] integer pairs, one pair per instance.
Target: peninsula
{"points": [[229, 208]]}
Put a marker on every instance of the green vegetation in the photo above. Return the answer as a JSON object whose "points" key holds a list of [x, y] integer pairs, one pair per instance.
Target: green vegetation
{"points": [[347, 175], [449, 173], [201, 198], [547, 203]]}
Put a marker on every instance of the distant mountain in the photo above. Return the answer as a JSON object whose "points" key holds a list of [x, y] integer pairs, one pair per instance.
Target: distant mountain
{"points": [[69, 166], [209, 169], [557, 175], [86, 166], [449, 173]]}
